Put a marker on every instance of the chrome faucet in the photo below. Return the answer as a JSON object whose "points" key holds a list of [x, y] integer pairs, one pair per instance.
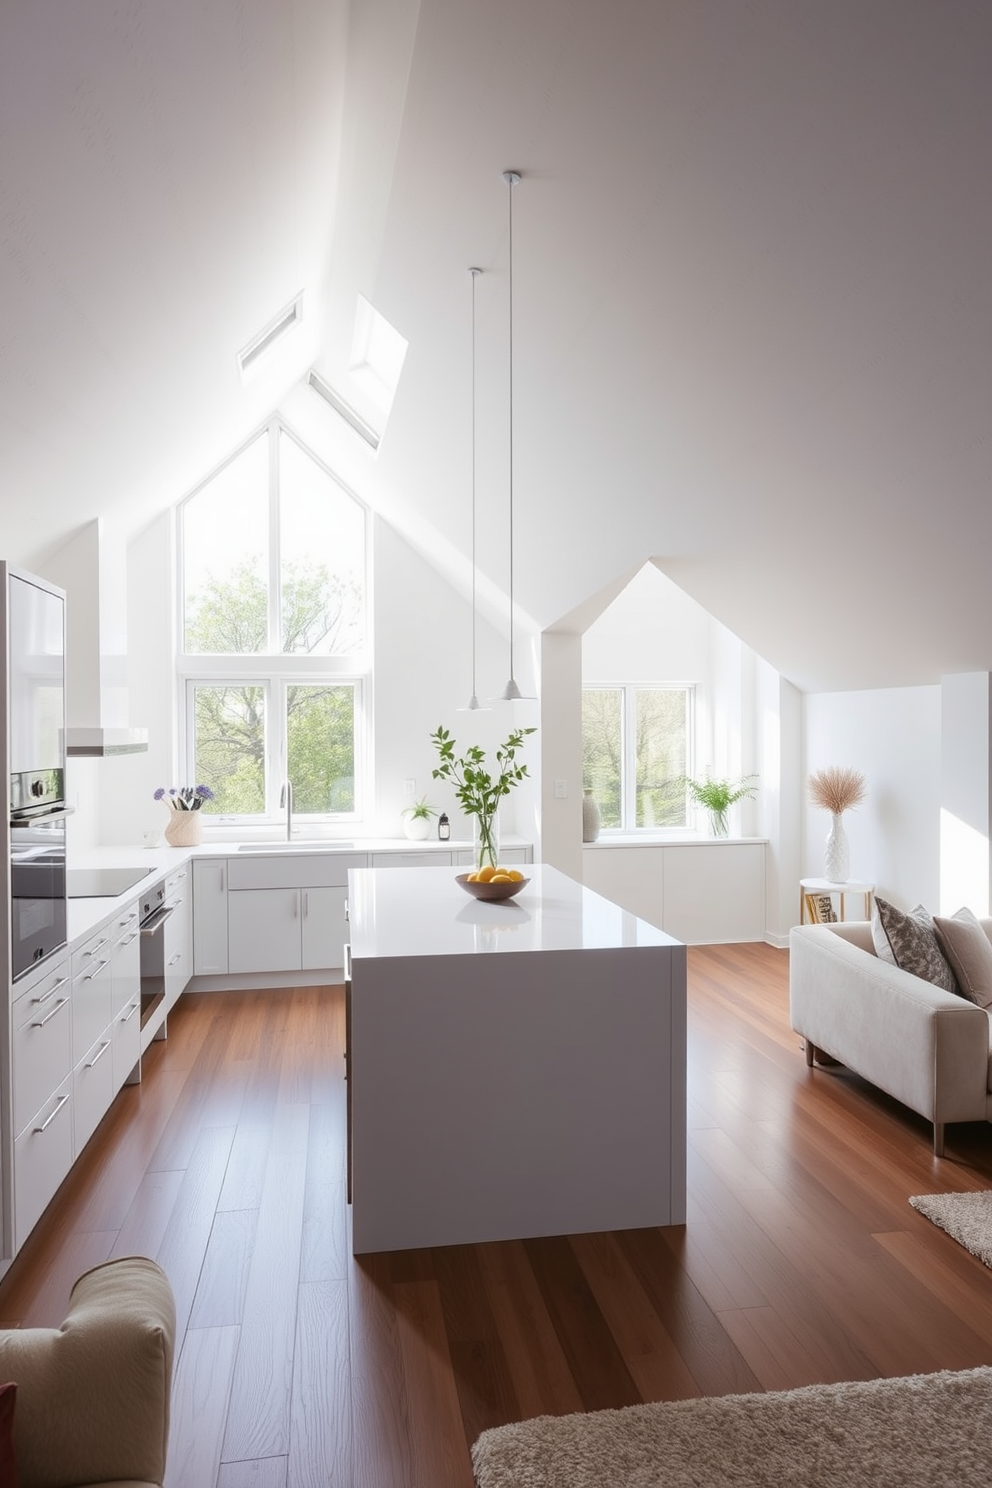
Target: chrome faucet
{"points": [[286, 799]]}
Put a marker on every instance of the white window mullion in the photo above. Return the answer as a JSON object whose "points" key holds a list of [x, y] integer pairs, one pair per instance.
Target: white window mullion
{"points": [[275, 545], [629, 727]]}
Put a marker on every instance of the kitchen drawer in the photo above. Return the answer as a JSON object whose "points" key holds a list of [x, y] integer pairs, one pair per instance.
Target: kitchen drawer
{"points": [[42, 1045], [293, 871], [410, 860], [126, 1040], [92, 1090], [41, 977], [42, 1157], [92, 997]]}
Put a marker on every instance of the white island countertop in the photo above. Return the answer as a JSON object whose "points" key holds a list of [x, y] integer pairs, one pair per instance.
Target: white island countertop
{"points": [[425, 912]]}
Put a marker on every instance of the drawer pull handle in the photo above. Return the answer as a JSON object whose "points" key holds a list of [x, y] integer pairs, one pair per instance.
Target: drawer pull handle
{"points": [[128, 919], [49, 1016], [98, 947], [103, 1049], [96, 971], [51, 992], [177, 957], [129, 938], [46, 1124], [134, 1009]]}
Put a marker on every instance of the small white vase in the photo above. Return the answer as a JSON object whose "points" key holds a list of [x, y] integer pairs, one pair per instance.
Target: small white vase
{"points": [[591, 820], [417, 828], [184, 829], [837, 854]]}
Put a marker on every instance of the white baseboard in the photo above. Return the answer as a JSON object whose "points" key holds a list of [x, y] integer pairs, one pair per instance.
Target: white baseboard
{"points": [[780, 942]]}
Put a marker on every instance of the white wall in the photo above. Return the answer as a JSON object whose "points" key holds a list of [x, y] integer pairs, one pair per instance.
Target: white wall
{"points": [[893, 737], [965, 791]]}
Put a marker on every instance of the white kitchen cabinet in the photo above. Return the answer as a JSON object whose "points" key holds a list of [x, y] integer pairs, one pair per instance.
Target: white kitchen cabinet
{"points": [[42, 1158], [92, 992], [264, 930], [92, 1090], [41, 1054], [210, 931], [177, 945], [286, 913], [325, 928], [411, 860], [125, 980]]}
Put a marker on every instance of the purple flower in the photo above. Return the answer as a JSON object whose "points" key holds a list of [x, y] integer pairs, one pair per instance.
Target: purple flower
{"points": [[204, 792], [159, 793]]}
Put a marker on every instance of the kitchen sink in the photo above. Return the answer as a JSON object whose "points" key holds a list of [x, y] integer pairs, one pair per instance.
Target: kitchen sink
{"points": [[293, 847]]}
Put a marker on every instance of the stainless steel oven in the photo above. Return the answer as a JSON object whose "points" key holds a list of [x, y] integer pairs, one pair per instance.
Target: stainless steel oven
{"points": [[35, 686]]}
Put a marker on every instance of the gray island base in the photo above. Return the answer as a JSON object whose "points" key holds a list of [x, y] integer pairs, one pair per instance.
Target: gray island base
{"points": [[515, 1069]]}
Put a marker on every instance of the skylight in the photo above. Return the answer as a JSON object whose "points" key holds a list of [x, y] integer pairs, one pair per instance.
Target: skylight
{"points": [[273, 331], [377, 353]]}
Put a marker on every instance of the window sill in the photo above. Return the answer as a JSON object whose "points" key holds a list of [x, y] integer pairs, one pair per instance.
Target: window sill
{"points": [[658, 839]]}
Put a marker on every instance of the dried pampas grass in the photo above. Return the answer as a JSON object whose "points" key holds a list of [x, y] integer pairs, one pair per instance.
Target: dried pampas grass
{"points": [[836, 789]]}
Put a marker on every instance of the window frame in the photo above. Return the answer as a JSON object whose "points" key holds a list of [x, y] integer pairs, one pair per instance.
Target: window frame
{"points": [[275, 671], [628, 691]]}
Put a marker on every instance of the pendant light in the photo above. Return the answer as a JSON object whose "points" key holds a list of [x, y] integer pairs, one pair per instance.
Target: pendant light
{"points": [[511, 692], [473, 705]]}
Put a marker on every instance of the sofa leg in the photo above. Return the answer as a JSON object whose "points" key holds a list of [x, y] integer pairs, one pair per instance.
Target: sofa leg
{"points": [[810, 1052], [938, 1139]]}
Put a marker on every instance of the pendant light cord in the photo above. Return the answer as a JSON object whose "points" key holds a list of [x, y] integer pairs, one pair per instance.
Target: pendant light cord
{"points": [[511, 178], [475, 274]]}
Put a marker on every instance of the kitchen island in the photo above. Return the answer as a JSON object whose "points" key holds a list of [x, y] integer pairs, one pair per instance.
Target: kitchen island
{"points": [[515, 1068]]}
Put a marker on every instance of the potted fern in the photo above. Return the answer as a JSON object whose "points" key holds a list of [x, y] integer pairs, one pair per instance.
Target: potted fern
{"points": [[717, 797], [417, 819]]}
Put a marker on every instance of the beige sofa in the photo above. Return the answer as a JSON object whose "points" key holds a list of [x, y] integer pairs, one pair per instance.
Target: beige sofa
{"points": [[926, 1047], [92, 1405]]}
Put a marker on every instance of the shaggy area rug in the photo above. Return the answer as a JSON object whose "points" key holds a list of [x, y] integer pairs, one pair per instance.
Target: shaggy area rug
{"points": [[967, 1218], [920, 1432]]}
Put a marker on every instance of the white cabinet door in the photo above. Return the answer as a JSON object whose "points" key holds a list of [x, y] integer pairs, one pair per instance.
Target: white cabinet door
{"points": [[210, 916], [42, 1157], [264, 931], [325, 928], [92, 1090], [178, 944]]}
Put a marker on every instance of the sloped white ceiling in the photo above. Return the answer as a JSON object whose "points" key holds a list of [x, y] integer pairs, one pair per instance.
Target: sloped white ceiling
{"points": [[753, 307]]}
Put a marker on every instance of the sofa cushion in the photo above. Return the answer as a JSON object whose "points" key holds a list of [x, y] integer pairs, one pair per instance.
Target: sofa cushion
{"points": [[967, 948], [909, 941]]}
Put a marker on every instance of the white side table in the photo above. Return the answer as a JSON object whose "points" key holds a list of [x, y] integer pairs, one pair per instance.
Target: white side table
{"points": [[841, 890]]}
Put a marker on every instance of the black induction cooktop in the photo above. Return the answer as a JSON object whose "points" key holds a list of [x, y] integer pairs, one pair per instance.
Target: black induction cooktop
{"points": [[102, 883]]}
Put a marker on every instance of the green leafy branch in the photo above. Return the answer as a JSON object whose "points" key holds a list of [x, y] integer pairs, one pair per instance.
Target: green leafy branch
{"points": [[720, 795], [478, 789]]}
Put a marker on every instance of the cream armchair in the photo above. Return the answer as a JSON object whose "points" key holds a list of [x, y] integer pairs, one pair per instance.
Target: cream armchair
{"points": [[93, 1396]]}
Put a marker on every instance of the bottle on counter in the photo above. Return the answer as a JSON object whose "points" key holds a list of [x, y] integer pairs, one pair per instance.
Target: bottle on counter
{"points": [[443, 827]]}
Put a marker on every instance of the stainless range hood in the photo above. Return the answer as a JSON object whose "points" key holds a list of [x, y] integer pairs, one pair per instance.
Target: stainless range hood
{"points": [[96, 743], [92, 569]]}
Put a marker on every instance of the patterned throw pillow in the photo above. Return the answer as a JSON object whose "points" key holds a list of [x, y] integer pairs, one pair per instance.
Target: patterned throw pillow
{"points": [[909, 941]]}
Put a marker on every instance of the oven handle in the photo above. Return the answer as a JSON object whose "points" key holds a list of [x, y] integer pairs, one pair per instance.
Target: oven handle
{"points": [[158, 919], [59, 814]]}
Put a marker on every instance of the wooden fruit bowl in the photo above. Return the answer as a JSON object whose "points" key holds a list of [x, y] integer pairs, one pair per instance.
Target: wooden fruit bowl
{"points": [[491, 890]]}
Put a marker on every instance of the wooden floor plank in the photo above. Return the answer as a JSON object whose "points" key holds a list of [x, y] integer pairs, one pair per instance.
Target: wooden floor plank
{"points": [[263, 1472], [542, 1380], [439, 1451], [200, 1396], [383, 1450], [220, 1293], [259, 1420], [655, 1363], [187, 1234], [320, 1444]]}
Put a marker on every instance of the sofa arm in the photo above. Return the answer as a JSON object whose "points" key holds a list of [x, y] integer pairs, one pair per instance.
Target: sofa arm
{"points": [[926, 1047], [93, 1396]]}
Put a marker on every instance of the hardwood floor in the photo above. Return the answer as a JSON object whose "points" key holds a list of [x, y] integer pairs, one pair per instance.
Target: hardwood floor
{"points": [[298, 1365]]}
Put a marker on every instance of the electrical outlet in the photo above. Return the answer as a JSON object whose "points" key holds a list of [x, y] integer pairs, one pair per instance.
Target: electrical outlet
{"points": [[410, 786], [561, 790]]}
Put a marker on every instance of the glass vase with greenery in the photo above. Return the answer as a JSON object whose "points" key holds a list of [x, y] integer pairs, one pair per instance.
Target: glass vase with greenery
{"points": [[478, 788], [717, 797]]}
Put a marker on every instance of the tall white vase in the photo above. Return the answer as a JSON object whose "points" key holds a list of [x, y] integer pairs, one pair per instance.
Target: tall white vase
{"points": [[591, 820], [837, 854]]}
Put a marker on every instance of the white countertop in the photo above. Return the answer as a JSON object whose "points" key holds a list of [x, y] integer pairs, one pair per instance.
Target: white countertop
{"points": [[85, 915], [424, 912]]}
